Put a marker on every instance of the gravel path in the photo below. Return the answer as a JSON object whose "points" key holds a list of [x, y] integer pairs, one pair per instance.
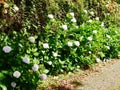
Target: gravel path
{"points": [[103, 77]]}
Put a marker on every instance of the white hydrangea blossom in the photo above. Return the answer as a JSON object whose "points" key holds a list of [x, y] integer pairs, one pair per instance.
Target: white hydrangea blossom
{"points": [[98, 60], [77, 43], [97, 18], [50, 62], [16, 74], [13, 84], [31, 39], [92, 13], [55, 54], [89, 52], [108, 47], [43, 76], [94, 31], [15, 8], [70, 44], [102, 24], [72, 14], [85, 11], [7, 49], [50, 16], [73, 20], [35, 67], [89, 38], [45, 45], [89, 21], [64, 27], [26, 60]]}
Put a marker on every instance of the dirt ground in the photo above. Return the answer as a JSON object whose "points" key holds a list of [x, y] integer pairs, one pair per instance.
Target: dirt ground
{"points": [[102, 76], [107, 77]]}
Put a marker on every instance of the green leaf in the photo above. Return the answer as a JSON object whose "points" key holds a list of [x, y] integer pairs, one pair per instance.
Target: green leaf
{"points": [[46, 71], [2, 76], [3, 87], [36, 54]]}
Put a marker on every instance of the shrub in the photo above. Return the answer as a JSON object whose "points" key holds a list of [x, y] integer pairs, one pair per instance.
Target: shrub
{"points": [[19, 61], [72, 46]]}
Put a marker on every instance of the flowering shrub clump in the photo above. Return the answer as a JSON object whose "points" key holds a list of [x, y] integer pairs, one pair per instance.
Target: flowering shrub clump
{"points": [[19, 61], [26, 59]]}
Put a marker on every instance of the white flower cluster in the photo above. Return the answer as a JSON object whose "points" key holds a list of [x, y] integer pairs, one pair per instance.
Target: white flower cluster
{"points": [[94, 31], [50, 16], [26, 60], [72, 14], [15, 8], [7, 49], [64, 27], [73, 18], [35, 67], [31, 39], [45, 45], [85, 11], [97, 18], [50, 62], [89, 38], [98, 60], [55, 54], [108, 47], [70, 44], [13, 84], [43, 76], [89, 21], [92, 13], [102, 24], [16, 74], [76, 43]]}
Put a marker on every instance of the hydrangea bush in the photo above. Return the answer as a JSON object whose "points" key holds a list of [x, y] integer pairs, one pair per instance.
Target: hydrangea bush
{"points": [[19, 61], [26, 58]]}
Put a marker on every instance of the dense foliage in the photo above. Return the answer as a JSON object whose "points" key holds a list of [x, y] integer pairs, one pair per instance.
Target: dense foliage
{"points": [[51, 37]]}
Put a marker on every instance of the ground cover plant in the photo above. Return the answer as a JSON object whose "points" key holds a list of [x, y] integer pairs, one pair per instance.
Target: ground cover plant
{"points": [[29, 50]]}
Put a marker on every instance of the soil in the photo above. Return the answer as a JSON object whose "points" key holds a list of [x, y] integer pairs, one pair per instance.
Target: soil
{"points": [[102, 76]]}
